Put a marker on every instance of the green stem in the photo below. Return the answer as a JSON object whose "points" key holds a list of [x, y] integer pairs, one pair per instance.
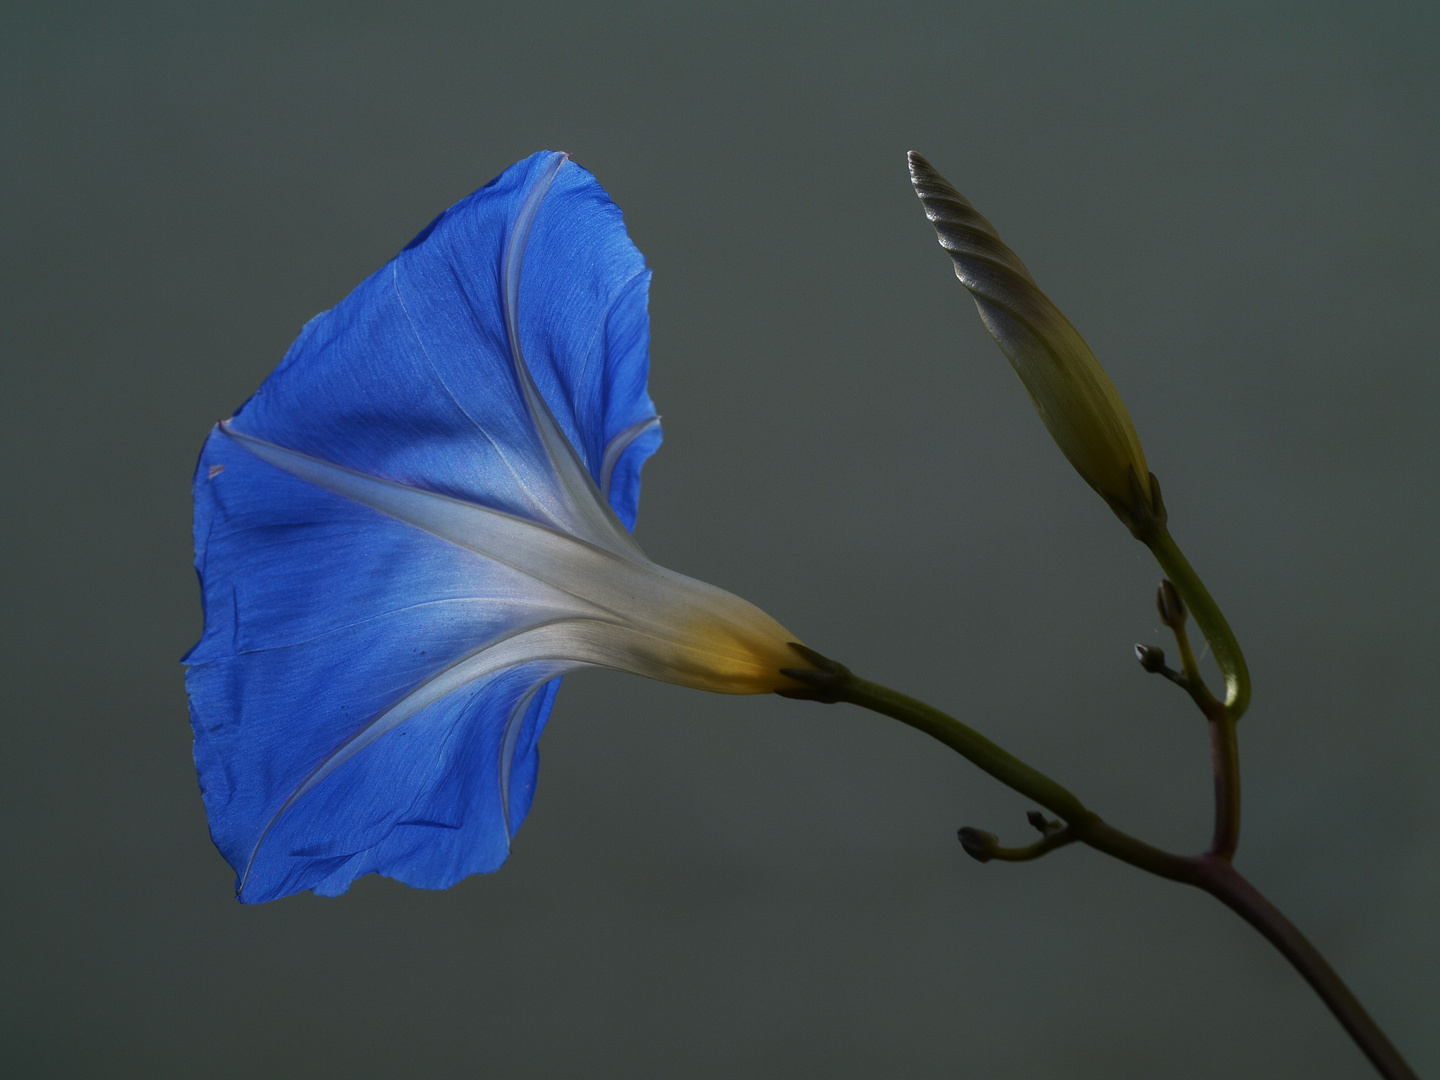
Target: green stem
{"points": [[1211, 872], [1085, 825], [828, 681], [1207, 616], [1221, 716], [990, 847]]}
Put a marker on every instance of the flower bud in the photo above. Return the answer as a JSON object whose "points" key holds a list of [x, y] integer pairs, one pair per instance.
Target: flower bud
{"points": [[1170, 605], [1070, 390], [1151, 658], [978, 844]]}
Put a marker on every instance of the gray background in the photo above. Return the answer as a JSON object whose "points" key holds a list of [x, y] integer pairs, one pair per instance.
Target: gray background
{"points": [[1238, 211]]}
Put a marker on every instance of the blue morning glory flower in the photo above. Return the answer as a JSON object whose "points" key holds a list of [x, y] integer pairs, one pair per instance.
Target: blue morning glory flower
{"points": [[418, 523]]}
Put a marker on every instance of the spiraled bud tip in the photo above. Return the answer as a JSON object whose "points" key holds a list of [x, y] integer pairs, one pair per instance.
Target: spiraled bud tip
{"points": [[1076, 400]]}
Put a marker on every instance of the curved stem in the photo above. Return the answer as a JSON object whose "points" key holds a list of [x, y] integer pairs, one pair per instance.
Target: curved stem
{"points": [[829, 682], [1224, 752], [1221, 716], [965, 740], [983, 846], [1207, 616], [1043, 846]]}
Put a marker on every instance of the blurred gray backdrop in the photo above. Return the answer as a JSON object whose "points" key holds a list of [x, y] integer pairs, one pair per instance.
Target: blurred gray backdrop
{"points": [[1238, 210]]}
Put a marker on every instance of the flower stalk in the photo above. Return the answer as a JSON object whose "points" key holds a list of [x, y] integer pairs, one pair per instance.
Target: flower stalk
{"points": [[1089, 422], [829, 682], [1208, 617]]}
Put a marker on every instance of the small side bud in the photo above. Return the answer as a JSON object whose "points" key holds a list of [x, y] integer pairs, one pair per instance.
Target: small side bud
{"points": [[1045, 826], [1171, 607], [979, 845], [1151, 658]]}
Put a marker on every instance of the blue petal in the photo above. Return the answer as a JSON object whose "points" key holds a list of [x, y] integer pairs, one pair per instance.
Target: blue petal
{"points": [[325, 617]]}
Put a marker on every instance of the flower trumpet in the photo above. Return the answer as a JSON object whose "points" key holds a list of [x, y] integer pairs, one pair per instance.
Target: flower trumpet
{"points": [[421, 520]]}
